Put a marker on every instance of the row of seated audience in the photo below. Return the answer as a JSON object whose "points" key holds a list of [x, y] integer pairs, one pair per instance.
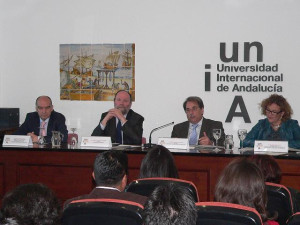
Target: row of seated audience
{"points": [[242, 182]]}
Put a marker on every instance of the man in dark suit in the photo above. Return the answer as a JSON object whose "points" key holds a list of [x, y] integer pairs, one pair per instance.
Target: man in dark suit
{"points": [[203, 128], [110, 174], [46, 118], [121, 123]]}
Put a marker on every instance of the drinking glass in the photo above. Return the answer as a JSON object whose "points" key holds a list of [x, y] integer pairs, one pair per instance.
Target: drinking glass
{"points": [[41, 139], [217, 135], [229, 142], [242, 133]]}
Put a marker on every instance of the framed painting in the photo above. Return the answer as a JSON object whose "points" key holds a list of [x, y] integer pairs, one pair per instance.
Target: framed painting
{"points": [[95, 72]]}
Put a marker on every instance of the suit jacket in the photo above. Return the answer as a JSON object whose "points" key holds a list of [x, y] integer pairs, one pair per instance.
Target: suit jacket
{"points": [[132, 129], [181, 130], [289, 131], [110, 193], [32, 124]]}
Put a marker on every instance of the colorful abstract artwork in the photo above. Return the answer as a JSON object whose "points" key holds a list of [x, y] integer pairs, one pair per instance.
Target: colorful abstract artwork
{"points": [[95, 72]]}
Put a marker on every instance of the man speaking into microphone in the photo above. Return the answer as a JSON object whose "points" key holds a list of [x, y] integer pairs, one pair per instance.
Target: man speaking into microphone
{"points": [[197, 129], [121, 123]]}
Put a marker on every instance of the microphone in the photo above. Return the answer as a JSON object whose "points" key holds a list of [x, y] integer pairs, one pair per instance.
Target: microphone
{"points": [[155, 129]]}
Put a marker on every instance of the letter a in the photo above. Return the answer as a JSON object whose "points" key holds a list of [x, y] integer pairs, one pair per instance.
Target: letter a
{"points": [[238, 100]]}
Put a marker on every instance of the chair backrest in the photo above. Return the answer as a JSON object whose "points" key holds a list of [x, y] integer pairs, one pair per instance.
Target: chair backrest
{"points": [[145, 186], [279, 201], [102, 212], [220, 213], [294, 219]]}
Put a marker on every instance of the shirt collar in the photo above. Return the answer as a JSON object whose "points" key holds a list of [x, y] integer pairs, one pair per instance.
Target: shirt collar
{"points": [[47, 120], [199, 123], [109, 188]]}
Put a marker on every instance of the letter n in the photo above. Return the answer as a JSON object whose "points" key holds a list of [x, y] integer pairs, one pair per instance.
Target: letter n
{"points": [[259, 50], [238, 100]]}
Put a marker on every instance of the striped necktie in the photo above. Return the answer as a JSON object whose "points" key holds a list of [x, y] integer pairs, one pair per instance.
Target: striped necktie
{"points": [[43, 128], [194, 136]]}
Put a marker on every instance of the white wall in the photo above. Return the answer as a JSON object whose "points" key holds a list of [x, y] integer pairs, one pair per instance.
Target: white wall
{"points": [[174, 40]]}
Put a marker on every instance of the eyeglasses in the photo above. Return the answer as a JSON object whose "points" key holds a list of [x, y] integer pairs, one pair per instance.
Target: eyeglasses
{"points": [[195, 108], [273, 112]]}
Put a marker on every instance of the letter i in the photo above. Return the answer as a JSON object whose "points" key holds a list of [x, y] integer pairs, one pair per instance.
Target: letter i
{"points": [[207, 77]]}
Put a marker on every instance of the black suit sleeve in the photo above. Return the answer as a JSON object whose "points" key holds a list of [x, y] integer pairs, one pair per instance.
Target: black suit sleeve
{"points": [[26, 127], [98, 131], [60, 125], [175, 133], [180, 130], [133, 130]]}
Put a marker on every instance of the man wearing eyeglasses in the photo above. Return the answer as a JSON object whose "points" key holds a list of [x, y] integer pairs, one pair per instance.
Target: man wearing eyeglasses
{"points": [[43, 121], [197, 129]]}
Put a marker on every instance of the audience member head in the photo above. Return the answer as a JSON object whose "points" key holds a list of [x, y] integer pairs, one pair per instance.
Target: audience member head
{"points": [[194, 109], [31, 204], [170, 205], [158, 162], [276, 107], [44, 107], [111, 169], [123, 101], [9, 221], [269, 167], [242, 182]]}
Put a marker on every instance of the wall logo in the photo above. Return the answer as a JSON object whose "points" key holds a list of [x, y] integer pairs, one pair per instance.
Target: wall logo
{"points": [[237, 74]]}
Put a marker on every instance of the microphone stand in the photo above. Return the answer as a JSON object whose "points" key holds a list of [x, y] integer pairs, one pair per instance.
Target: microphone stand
{"points": [[149, 145]]}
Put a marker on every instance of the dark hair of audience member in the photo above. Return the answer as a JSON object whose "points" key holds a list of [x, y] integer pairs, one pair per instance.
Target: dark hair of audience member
{"points": [[110, 167], [269, 167], [242, 182], [158, 162], [9, 221], [170, 205], [31, 204]]}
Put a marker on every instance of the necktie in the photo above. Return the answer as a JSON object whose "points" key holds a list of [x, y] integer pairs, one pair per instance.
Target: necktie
{"points": [[119, 133], [43, 130], [194, 136]]}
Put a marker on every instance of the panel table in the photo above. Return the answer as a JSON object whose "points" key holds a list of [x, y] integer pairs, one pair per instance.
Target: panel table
{"points": [[68, 171]]}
